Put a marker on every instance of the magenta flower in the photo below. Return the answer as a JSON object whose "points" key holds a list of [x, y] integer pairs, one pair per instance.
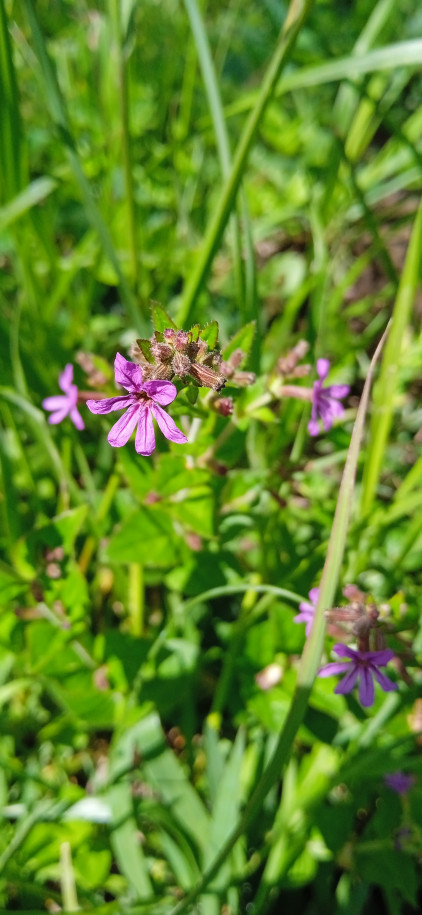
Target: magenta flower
{"points": [[143, 401], [325, 401], [65, 406], [400, 782], [307, 610], [364, 667]]}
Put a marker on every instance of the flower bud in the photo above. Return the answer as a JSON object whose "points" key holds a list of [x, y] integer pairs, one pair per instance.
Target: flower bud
{"points": [[224, 406], [181, 364], [161, 351]]}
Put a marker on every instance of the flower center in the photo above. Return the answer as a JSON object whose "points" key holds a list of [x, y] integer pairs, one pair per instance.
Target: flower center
{"points": [[142, 397]]}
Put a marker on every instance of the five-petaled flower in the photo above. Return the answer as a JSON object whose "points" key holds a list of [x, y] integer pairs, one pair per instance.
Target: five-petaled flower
{"points": [[365, 666], [62, 406], [307, 610], [143, 401], [325, 401]]}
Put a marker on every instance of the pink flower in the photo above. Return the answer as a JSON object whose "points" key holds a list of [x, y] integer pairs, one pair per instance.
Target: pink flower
{"points": [[307, 610], [325, 403], [364, 667], [143, 402], [65, 406]]}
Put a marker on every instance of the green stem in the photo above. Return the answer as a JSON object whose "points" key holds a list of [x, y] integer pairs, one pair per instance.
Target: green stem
{"points": [[67, 879], [298, 11], [311, 656], [136, 603]]}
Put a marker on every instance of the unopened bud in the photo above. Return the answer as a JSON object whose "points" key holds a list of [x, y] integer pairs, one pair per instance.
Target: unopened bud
{"points": [[224, 406], [181, 365], [161, 351], [207, 376], [182, 341]]}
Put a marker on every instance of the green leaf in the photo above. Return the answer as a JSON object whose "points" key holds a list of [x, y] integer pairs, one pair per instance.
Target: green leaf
{"points": [[192, 394], [147, 536], [62, 531], [209, 334], [242, 340], [160, 319], [196, 511], [195, 331], [227, 801], [145, 347]]}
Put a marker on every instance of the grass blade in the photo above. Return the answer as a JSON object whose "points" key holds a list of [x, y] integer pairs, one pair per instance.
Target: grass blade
{"points": [[385, 389], [298, 11]]}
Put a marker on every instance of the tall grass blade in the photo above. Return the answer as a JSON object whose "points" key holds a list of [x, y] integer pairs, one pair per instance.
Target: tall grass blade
{"points": [[245, 283], [11, 153], [385, 389], [390, 57], [298, 12]]}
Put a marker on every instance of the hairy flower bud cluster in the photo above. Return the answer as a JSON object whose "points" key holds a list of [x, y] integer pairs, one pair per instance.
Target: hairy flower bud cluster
{"points": [[174, 353]]}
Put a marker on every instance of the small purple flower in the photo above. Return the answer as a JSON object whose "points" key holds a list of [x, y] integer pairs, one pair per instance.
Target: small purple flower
{"points": [[400, 782], [364, 667], [143, 401], [307, 610], [325, 401], [65, 406]]}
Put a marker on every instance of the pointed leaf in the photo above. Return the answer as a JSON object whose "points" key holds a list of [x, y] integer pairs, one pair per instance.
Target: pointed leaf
{"points": [[160, 319], [145, 347], [194, 332], [209, 334]]}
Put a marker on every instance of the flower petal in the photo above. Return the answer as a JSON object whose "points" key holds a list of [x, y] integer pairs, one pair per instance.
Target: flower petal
{"points": [[128, 374], [366, 687], [305, 616], [145, 438], [110, 403], [329, 410], [162, 392], [334, 668], [59, 415], [314, 595], [338, 390], [313, 427], [57, 402], [343, 651], [385, 683], [380, 658], [122, 430], [348, 682], [77, 418], [66, 378], [167, 425], [322, 367]]}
